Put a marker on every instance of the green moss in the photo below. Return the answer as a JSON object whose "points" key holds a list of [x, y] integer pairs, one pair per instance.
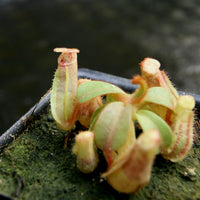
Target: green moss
{"points": [[36, 166]]}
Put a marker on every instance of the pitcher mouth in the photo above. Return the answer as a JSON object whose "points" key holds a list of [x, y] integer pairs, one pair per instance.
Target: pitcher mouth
{"points": [[68, 56]]}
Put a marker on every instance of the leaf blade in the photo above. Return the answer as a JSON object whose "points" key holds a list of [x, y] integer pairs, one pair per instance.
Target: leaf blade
{"points": [[91, 89], [149, 120], [161, 96]]}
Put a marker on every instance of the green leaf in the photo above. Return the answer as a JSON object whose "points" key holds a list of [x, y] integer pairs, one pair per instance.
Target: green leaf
{"points": [[90, 89], [161, 96], [112, 126], [149, 120]]}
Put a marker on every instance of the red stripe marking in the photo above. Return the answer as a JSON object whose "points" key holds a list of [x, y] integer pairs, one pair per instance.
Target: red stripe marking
{"points": [[178, 137], [187, 136], [164, 83]]}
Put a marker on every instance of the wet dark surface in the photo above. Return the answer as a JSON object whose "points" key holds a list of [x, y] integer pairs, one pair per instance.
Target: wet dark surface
{"points": [[113, 37]]}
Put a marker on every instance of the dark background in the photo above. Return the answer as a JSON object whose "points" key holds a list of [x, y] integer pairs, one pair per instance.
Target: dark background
{"points": [[113, 37]]}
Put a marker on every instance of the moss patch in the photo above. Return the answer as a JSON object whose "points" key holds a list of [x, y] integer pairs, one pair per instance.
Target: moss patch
{"points": [[36, 166]]}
